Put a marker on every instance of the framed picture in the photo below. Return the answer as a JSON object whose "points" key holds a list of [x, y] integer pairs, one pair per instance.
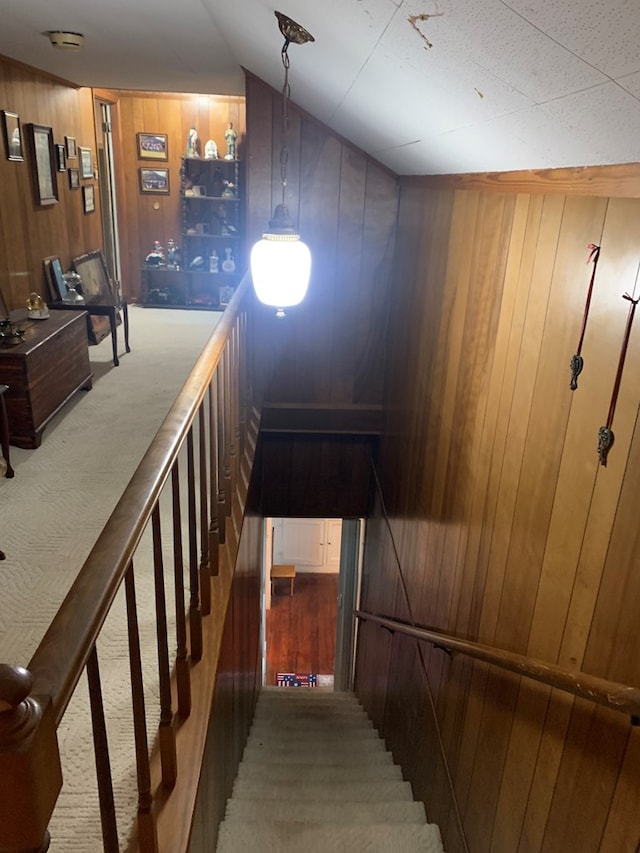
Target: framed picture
{"points": [[86, 162], [226, 292], [92, 269], [44, 163], [153, 146], [154, 180], [12, 135], [72, 148], [74, 179], [54, 277], [61, 158], [89, 198]]}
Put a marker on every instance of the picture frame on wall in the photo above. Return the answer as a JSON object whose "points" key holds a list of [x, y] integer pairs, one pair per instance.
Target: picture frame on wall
{"points": [[89, 198], [153, 146], [12, 135], [61, 157], [86, 162], [55, 278], [43, 163], [72, 148], [154, 181], [74, 179]]}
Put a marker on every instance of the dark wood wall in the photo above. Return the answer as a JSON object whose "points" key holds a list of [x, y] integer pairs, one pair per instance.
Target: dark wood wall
{"points": [[329, 349], [238, 680], [30, 232], [508, 529], [145, 217]]}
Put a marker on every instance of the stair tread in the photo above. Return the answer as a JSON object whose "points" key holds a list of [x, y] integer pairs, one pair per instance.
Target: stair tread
{"points": [[361, 792], [319, 772], [408, 812], [291, 837]]}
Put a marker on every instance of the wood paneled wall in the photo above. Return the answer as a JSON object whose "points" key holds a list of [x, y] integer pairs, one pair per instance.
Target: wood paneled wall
{"points": [[329, 349], [238, 680], [145, 217], [508, 529], [29, 232]]}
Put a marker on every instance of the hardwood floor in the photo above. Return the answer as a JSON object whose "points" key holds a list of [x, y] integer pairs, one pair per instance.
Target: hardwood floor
{"points": [[301, 628]]}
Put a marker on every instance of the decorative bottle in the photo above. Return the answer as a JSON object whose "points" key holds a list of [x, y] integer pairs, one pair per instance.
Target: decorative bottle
{"points": [[213, 262], [228, 265]]}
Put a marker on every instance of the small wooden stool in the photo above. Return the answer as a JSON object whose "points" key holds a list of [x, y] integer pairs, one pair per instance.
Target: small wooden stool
{"points": [[283, 571]]}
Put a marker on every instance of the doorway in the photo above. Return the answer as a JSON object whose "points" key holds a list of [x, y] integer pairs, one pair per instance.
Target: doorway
{"points": [[104, 115], [308, 624]]}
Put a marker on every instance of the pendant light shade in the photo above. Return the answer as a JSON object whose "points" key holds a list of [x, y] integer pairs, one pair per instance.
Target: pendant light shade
{"points": [[281, 262]]}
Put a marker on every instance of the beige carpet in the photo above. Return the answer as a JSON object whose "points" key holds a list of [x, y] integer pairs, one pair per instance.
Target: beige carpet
{"points": [[50, 516]]}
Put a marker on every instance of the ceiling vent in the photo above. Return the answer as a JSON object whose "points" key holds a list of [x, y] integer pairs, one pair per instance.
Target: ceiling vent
{"points": [[65, 41]]}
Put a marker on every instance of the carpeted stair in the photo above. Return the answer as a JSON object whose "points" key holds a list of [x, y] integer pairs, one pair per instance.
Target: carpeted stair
{"points": [[315, 777]]}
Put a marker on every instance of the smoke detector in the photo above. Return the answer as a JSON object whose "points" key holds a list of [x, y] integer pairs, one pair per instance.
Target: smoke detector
{"points": [[64, 40]]}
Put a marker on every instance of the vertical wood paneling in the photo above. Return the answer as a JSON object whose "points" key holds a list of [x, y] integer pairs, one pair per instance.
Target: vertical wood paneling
{"points": [[507, 527], [29, 233], [328, 349]]}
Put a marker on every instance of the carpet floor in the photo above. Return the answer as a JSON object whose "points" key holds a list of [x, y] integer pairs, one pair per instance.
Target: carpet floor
{"points": [[51, 514]]}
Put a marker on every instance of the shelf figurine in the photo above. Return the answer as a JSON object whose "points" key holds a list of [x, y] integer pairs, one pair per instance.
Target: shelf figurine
{"points": [[211, 150], [193, 143], [213, 261], [230, 138]]}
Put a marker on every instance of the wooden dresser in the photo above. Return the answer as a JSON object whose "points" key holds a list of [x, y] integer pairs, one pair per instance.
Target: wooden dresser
{"points": [[43, 371]]}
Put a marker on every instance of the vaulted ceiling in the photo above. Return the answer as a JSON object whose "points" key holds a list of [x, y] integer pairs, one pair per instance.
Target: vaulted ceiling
{"points": [[424, 86]]}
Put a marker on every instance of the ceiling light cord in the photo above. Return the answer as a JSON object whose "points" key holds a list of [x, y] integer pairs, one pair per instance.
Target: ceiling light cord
{"points": [[286, 92]]}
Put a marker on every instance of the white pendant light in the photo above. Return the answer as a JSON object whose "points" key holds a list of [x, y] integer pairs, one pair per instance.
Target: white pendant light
{"points": [[281, 262]]}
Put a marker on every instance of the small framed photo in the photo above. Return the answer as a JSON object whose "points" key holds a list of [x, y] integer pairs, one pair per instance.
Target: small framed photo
{"points": [[74, 179], [226, 293], [89, 198], [154, 181], [55, 278], [61, 158], [44, 163], [153, 146], [72, 148], [86, 162], [12, 135]]}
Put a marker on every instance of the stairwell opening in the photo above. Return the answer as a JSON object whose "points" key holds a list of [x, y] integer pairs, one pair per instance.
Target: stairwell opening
{"points": [[308, 627]]}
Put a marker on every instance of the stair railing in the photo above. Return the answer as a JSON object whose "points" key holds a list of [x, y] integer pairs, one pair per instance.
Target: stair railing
{"points": [[611, 694], [206, 432]]}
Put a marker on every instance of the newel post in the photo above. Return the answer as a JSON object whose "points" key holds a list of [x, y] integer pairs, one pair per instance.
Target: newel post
{"points": [[30, 773]]}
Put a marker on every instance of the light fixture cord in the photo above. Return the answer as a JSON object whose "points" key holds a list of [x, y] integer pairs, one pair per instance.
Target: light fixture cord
{"points": [[286, 91]]}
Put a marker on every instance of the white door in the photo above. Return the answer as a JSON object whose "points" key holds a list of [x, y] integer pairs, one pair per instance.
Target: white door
{"points": [[311, 544]]}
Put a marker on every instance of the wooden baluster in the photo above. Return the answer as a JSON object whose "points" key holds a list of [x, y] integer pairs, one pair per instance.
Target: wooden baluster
{"points": [[183, 676], [103, 764], [227, 431], [205, 576], [214, 555], [222, 526], [166, 731], [235, 407], [28, 753], [242, 381], [195, 615], [147, 830]]}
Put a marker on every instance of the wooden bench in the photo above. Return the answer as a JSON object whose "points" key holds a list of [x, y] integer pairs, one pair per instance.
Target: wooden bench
{"points": [[281, 570]]}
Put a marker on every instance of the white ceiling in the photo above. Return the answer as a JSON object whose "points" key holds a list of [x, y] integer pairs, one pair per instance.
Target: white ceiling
{"points": [[425, 86]]}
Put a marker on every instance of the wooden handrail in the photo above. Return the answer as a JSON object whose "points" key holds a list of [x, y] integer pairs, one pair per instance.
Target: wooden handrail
{"points": [[63, 652], [611, 694]]}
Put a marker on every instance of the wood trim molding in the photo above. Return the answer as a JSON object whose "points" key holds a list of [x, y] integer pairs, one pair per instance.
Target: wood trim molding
{"points": [[620, 181]]}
